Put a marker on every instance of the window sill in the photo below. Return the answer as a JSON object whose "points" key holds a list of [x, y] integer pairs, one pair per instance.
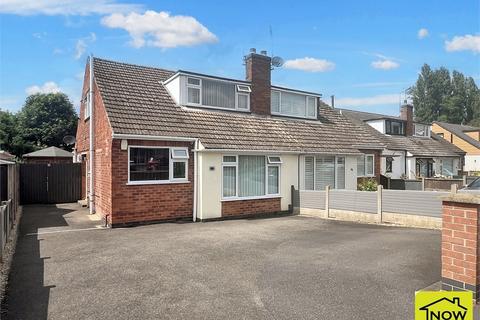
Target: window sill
{"points": [[273, 196], [139, 183]]}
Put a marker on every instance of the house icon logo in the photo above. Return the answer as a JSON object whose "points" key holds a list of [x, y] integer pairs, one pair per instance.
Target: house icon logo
{"points": [[443, 305]]}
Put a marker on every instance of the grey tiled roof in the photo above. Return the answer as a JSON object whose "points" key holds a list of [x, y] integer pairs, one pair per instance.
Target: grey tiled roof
{"points": [[137, 103], [459, 131], [417, 146], [49, 152]]}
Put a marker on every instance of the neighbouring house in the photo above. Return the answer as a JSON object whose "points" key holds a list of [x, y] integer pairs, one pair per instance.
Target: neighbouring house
{"points": [[466, 138], [48, 155], [183, 145], [4, 155], [412, 150]]}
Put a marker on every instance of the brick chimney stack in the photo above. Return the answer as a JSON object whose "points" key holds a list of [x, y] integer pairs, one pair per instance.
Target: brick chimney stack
{"points": [[258, 69], [406, 114]]}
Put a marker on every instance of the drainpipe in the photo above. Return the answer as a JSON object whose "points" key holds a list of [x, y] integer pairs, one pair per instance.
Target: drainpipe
{"points": [[91, 142], [195, 180]]}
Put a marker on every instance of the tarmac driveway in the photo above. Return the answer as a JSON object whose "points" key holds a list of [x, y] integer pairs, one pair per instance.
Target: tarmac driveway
{"points": [[279, 268]]}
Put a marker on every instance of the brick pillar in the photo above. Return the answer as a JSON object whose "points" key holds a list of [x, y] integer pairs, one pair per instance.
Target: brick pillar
{"points": [[258, 72], [460, 240]]}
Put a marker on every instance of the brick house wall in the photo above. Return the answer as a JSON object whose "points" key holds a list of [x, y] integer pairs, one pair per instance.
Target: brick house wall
{"points": [[251, 207], [102, 145], [148, 202]]}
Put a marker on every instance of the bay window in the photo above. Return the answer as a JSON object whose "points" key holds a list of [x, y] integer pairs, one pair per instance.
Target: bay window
{"points": [[246, 176], [157, 164], [322, 171], [366, 165], [293, 104]]}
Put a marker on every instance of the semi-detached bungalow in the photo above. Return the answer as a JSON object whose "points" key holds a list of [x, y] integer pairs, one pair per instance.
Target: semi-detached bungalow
{"points": [[412, 149], [181, 145]]}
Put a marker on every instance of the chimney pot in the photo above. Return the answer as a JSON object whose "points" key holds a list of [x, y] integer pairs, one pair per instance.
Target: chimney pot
{"points": [[264, 52], [253, 50]]}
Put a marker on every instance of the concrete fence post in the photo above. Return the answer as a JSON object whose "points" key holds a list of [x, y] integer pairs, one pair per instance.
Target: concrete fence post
{"points": [[460, 241], [464, 180], [327, 201], [453, 188], [379, 202]]}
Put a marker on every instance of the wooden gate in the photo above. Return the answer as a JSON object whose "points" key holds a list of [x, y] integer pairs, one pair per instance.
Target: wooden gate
{"points": [[50, 183]]}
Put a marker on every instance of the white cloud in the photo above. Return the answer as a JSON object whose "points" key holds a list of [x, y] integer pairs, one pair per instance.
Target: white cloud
{"points": [[81, 45], [422, 33], [464, 43], [382, 99], [47, 87], [64, 7], [160, 29], [385, 64], [310, 64]]}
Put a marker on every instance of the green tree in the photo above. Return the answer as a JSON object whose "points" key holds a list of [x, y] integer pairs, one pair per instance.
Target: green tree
{"points": [[439, 95], [46, 119]]}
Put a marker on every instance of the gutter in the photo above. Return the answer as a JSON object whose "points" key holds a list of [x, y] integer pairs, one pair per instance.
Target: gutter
{"points": [[277, 152], [150, 137], [91, 137]]}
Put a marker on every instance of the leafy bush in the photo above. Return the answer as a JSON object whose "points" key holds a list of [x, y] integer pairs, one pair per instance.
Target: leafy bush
{"points": [[368, 185]]}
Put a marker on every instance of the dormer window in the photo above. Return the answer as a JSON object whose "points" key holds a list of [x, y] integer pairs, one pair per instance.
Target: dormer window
{"points": [[421, 130], [293, 104], [394, 127], [189, 89]]}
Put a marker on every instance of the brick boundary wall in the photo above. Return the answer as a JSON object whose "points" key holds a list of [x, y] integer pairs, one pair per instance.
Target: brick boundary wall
{"points": [[239, 208], [460, 240]]}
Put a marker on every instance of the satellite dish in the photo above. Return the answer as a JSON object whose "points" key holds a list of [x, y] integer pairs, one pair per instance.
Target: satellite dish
{"points": [[277, 61], [69, 140]]}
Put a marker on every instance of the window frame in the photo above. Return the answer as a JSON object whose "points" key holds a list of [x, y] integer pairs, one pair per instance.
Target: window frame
{"points": [[389, 169], [171, 179], [427, 130], [365, 175], [238, 92], [307, 96], [388, 127], [235, 165], [194, 86], [335, 171], [88, 112]]}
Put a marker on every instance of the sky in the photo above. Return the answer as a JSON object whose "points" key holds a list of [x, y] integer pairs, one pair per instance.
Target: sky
{"points": [[366, 53]]}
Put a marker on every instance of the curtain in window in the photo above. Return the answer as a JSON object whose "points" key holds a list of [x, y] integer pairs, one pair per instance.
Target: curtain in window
{"points": [[275, 102], [229, 181], [340, 173], [218, 94], [361, 166], [251, 176], [369, 165], [193, 95], [309, 174], [324, 172], [273, 179], [293, 104]]}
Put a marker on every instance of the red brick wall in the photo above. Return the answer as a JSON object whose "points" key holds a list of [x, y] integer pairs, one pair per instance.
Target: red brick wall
{"points": [[460, 246], [258, 68], [49, 160], [152, 202], [102, 144], [250, 207]]}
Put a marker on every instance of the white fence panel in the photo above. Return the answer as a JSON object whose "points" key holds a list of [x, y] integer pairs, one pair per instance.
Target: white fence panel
{"points": [[312, 199], [424, 203], [352, 200]]}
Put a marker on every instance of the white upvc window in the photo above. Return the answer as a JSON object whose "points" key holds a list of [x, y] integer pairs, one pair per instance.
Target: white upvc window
{"points": [[249, 176], [194, 92], [322, 171], [87, 106], [217, 93], [293, 104], [153, 164], [421, 130], [366, 165]]}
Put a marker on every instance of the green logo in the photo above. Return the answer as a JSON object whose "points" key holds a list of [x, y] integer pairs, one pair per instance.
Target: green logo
{"points": [[443, 305]]}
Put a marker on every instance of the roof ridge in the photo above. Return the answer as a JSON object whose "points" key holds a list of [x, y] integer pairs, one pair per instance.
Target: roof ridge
{"points": [[132, 64]]}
